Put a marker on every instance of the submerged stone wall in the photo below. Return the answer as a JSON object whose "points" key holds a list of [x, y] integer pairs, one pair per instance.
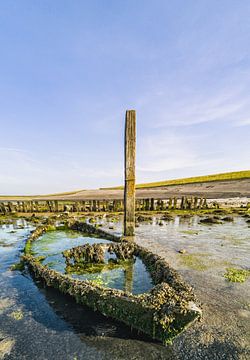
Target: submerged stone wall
{"points": [[161, 313]]}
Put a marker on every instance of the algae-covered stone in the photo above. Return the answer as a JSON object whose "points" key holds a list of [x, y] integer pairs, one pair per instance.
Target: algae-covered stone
{"points": [[6, 345], [210, 220], [162, 313], [228, 218]]}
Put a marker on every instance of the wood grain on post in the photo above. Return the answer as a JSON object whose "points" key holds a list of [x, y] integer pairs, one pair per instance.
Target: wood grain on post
{"points": [[129, 190]]}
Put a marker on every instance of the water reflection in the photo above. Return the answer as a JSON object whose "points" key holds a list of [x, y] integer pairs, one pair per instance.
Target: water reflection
{"points": [[131, 276]]}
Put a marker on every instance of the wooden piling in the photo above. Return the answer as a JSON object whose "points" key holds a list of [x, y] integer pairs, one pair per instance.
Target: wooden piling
{"points": [[2, 208], [175, 203], [129, 190], [195, 203], [170, 202]]}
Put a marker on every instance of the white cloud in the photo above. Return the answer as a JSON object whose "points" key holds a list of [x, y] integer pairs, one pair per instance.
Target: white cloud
{"points": [[165, 151]]}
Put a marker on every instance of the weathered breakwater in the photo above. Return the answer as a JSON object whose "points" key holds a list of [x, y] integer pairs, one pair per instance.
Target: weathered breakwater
{"points": [[161, 313], [149, 204]]}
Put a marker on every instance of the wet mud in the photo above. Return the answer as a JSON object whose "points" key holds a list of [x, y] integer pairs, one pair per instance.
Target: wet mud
{"points": [[41, 323]]}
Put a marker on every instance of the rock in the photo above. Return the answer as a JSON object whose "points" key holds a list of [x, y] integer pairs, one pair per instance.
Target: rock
{"points": [[228, 218], [219, 211], [166, 217], [141, 218], [6, 345], [210, 220], [182, 251]]}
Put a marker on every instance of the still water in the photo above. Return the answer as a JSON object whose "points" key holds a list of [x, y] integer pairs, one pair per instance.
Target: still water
{"points": [[131, 276]]}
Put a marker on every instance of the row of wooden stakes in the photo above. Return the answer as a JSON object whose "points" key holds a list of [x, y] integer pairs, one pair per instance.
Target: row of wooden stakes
{"points": [[184, 203]]}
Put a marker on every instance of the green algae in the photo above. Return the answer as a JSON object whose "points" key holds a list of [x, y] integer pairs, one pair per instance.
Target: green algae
{"points": [[190, 232], [236, 275], [17, 315], [196, 261], [98, 281], [18, 266]]}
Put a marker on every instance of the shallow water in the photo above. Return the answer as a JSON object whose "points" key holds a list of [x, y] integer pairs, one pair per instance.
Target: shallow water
{"points": [[224, 332], [41, 323], [55, 327], [131, 276], [12, 240]]}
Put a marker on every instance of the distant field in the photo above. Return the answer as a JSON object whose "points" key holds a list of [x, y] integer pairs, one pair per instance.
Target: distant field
{"points": [[237, 175]]}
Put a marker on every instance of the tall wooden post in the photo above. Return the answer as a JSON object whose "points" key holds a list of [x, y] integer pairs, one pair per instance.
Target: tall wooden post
{"points": [[129, 190]]}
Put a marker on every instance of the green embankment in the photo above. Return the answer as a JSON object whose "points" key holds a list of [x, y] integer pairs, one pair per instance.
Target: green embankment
{"points": [[236, 175]]}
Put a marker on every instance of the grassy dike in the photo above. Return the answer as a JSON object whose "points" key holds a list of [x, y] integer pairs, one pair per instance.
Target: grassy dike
{"points": [[236, 175], [162, 313]]}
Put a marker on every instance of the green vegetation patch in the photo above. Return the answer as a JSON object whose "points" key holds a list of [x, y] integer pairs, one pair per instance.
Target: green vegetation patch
{"points": [[237, 275], [196, 261], [190, 232], [236, 175], [17, 315], [18, 266]]}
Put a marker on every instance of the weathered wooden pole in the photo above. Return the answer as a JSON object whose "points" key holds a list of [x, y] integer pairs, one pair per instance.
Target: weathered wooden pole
{"points": [[129, 190]]}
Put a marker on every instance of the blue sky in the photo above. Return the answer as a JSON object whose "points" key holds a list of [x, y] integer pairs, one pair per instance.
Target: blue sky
{"points": [[70, 69]]}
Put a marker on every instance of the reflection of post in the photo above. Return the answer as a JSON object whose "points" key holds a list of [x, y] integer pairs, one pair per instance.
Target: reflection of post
{"points": [[128, 277], [129, 190]]}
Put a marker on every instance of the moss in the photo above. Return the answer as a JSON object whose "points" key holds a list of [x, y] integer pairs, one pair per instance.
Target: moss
{"points": [[40, 258], [27, 248], [51, 228], [18, 266], [98, 281], [17, 315], [237, 275]]}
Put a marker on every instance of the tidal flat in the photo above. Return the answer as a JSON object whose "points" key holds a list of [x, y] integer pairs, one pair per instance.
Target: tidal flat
{"points": [[40, 323]]}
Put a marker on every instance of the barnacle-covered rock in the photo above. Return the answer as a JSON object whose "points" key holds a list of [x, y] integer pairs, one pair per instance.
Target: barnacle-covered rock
{"points": [[161, 313]]}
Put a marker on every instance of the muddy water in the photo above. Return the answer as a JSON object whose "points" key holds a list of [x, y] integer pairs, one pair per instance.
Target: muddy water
{"points": [[131, 276], [38, 323]]}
